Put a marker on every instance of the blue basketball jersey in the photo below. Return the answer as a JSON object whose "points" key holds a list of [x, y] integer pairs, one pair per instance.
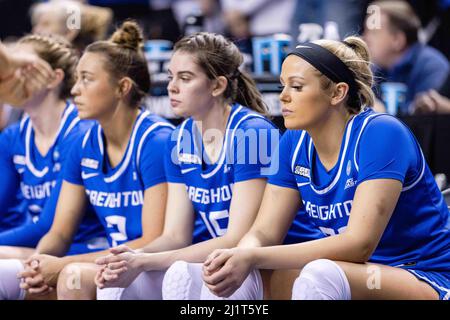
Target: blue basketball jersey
{"points": [[374, 146], [117, 194], [246, 151], [31, 185]]}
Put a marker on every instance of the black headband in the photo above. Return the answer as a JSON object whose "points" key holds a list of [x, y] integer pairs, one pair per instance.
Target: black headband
{"points": [[327, 63]]}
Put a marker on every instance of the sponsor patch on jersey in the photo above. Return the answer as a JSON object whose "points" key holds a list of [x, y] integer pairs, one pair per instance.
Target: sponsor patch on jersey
{"points": [[19, 159], [89, 163], [302, 171], [189, 158]]}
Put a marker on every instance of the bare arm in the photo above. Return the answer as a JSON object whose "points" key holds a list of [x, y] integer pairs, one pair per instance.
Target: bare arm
{"points": [[372, 208], [68, 215], [69, 212], [246, 200], [244, 207], [178, 225], [278, 209], [153, 212]]}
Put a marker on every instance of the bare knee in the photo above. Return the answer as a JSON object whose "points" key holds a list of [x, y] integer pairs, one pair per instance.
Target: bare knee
{"points": [[76, 282]]}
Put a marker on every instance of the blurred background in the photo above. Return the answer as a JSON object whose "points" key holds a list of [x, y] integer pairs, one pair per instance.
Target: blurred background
{"points": [[409, 42]]}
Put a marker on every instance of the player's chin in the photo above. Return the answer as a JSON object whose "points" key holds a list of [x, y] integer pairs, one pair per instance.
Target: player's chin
{"points": [[180, 112], [292, 123], [85, 115]]}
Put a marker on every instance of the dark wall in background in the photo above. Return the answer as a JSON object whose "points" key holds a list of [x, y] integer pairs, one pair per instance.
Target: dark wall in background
{"points": [[14, 18]]}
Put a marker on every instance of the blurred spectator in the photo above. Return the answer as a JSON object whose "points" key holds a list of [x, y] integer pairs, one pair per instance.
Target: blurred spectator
{"points": [[210, 11], [246, 19], [156, 17], [433, 101], [257, 17], [391, 33], [58, 17], [435, 18], [440, 38], [316, 19]]}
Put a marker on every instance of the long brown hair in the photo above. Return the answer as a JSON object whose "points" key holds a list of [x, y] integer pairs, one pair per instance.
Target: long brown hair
{"points": [[218, 56]]}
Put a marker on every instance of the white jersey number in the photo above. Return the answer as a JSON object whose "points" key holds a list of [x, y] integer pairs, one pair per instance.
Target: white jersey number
{"points": [[120, 223], [211, 222], [332, 232]]}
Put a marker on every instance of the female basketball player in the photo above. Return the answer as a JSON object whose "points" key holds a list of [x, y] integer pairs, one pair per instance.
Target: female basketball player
{"points": [[34, 153], [216, 166], [116, 163], [363, 181], [52, 17]]}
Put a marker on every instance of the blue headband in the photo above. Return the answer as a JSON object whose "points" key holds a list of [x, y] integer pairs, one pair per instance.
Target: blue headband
{"points": [[327, 63]]}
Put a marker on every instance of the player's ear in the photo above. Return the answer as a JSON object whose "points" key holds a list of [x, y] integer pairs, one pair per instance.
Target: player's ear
{"points": [[219, 86], [339, 93], [57, 79], [124, 87]]}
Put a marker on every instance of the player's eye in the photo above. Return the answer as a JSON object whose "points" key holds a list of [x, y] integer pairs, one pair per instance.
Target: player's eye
{"points": [[85, 79]]}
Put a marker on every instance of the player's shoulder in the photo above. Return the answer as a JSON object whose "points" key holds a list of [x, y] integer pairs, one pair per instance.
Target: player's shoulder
{"points": [[79, 130], [245, 118], [295, 137], [382, 123], [13, 130], [153, 122]]}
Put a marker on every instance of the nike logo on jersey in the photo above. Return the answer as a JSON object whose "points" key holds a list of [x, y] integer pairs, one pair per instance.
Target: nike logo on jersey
{"points": [[86, 176], [303, 184], [184, 171]]}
